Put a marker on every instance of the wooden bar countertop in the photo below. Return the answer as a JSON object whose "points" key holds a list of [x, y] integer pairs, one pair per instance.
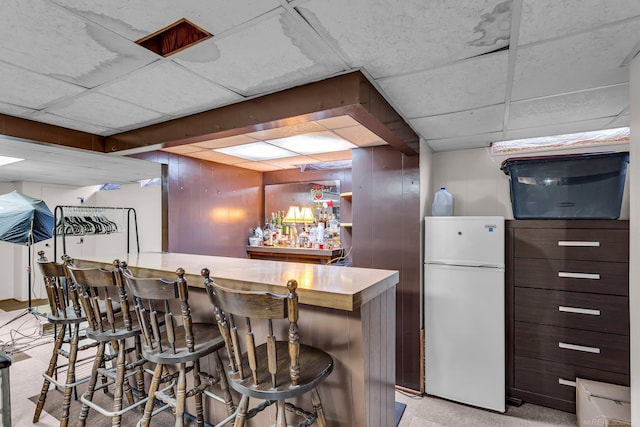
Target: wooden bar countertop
{"points": [[336, 287]]}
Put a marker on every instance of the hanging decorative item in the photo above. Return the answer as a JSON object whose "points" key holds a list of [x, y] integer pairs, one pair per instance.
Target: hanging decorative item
{"points": [[317, 191]]}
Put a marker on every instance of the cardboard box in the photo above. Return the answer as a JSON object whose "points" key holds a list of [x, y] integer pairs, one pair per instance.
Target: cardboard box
{"points": [[602, 404]]}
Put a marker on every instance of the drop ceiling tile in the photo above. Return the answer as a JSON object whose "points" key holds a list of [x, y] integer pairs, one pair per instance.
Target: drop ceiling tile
{"points": [[291, 162], [582, 61], [464, 142], [332, 157], [169, 89], [286, 131], [213, 156], [225, 142], [272, 54], [28, 89], [61, 165], [545, 19], [390, 38], [258, 166], [183, 149], [621, 121], [42, 37], [104, 111], [137, 19], [14, 110], [481, 120], [558, 129], [360, 136], [338, 122], [460, 86], [573, 107], [64, 122]]}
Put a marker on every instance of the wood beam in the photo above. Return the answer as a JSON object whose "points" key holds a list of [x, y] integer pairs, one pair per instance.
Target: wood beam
{"points": [[350, 94], [42, 132]]}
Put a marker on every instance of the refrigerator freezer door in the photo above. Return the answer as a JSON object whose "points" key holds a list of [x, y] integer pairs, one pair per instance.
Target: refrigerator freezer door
{"points": [[464, 335], [465, 240]]}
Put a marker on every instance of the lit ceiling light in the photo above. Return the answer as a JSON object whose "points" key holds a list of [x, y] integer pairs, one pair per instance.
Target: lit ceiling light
{"points": [[600, 137], [312, 143], [8, 160], [256, 151]]}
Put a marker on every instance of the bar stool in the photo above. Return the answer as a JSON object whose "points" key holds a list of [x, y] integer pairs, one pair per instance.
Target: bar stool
{"points": [[66, 320], [272, 371], [180, 341], [109, 323]]}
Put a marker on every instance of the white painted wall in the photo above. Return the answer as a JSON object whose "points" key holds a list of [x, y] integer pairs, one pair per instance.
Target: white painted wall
{"points": [[14, 258], [478, 185], [634, 266]]}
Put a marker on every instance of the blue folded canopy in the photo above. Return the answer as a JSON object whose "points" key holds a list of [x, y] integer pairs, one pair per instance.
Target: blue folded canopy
{"points": [[19, 214]]}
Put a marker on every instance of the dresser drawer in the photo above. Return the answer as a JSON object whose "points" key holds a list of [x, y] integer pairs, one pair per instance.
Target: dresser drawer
{"points": [[570, 275], [571, 243], [593, 312], [557, 380], [597, 350]]}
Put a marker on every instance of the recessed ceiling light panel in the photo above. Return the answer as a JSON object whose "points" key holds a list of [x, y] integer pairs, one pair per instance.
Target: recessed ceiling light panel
{"points": [[256, 151], [313, 143], [8, 160]]}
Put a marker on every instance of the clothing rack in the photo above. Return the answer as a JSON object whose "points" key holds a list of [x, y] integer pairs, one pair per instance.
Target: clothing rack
{"points": [[88, 220]]}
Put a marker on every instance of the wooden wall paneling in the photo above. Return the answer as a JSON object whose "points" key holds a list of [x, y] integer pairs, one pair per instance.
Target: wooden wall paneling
{"points": [[386, 235], [411, 269], [362, 205], [211, 206]]}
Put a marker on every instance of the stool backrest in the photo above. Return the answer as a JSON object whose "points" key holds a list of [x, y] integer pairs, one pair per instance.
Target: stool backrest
{"points": [[153, 299], [256, 307], [97, 288], [61, 291]]}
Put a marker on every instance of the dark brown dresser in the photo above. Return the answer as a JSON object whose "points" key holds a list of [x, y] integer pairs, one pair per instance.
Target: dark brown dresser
{"points": [[567, 307]]}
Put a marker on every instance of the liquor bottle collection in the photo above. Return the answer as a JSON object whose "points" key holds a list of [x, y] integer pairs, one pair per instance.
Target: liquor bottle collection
{"points": [[324, 233]]}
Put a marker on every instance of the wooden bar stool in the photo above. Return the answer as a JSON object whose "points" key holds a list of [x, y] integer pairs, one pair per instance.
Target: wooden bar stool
{"points": [[179, 341], [272, 371], [104, 300], [66, 316]]}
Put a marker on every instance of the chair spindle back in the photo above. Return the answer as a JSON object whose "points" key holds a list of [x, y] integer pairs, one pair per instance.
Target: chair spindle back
{"points": [[58, 285], [97, 287], [153, 299], [256, 306]]}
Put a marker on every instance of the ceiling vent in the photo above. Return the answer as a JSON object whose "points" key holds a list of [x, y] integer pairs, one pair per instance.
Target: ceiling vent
{"points": [[174, 38]]}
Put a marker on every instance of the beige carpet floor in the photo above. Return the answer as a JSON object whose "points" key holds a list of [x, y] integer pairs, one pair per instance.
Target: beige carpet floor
{"points": [[30, 351]]}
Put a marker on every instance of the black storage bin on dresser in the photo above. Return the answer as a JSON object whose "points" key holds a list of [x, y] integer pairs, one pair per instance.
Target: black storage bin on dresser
{"points": [[586, 186], [567, 307]]}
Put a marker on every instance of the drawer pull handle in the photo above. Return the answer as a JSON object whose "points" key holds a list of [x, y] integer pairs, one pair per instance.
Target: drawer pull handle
{"points": [[579, 348], [574, 243], [567, 274], [566, 382], [577, 310]]}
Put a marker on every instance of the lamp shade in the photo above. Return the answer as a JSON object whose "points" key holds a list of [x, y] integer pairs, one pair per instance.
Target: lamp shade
{"points": [[307, 216], [293, 215]]}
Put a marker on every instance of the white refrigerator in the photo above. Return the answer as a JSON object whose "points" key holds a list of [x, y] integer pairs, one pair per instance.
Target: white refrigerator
{"points": [[464, 317]]}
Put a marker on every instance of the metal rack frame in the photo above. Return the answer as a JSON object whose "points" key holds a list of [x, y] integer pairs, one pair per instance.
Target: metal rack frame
{"points": [[58, 214]]}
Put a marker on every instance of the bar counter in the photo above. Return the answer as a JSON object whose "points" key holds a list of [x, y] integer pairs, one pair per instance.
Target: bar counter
{"points": [[347, 311], [284, 253]]}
